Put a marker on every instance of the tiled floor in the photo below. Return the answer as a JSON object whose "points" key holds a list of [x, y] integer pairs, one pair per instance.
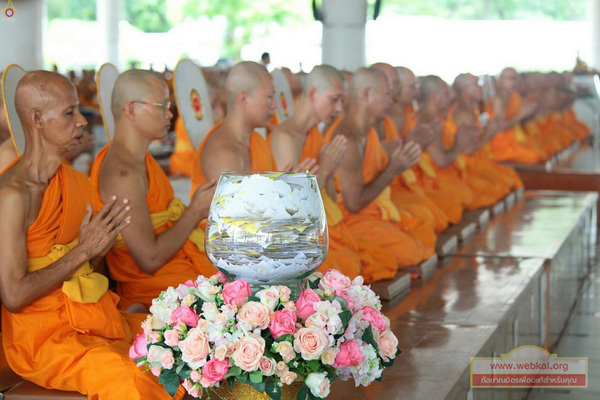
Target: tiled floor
{"points": [[582, 339]]}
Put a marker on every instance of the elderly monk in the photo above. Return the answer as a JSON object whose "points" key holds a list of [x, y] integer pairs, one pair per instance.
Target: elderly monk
{"points": [[510, 110], [366, 170], [61, 327], [466, 114], [233, 144], [297, 139], [162, 246]]}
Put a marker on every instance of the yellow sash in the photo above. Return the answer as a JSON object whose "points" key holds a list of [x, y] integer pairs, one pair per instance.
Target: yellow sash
{"points": [[173, 212], [386, 206], [461, 162], [519, 134], [425, 164], [409, 176], [85, 286]]}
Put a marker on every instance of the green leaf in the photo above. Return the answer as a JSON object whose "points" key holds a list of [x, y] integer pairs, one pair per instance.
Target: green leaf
{"points": [[314, 365], [253, 298], [242, 378], [341, 300], [256, 377], [233, 371], [313, 285], [288, 337], [139, 360], [345, 317], [369, 339], [302, 392], [169, 379], [379, 379]]}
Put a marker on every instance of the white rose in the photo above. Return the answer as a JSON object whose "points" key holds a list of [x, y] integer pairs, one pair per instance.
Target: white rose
{"points": [[210, 311], [269, 297], [204, 291], [318, 383]]}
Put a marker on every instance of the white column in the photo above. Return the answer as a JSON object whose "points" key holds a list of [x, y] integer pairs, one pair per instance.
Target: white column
{"points": [[594, 11], [21, 36], [344, 33], [108, 15]]}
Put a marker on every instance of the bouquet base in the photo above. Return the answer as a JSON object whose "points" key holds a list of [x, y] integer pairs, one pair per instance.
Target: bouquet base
{"points": [[243, 391]]}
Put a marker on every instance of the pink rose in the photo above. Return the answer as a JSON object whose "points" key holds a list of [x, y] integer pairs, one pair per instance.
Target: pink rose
{"points": [[156, 371], [349, 355], [215, 370], [190, 283], [310, 342], [139, 348], [254, 314], [304, 304], [236, 292], [171, 337], [344, 296], [194, 348], [334, 280], [185, 315], [284, 321], [374, 317], [249, 352], [195, 376], [288, 377], [267, 366], [219, 277], [286, 350], [194, 391], [167, 360], [388, 345]]}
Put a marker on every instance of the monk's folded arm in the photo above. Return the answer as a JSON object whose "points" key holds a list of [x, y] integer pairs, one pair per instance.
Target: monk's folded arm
{"points": [[440, 155], [18, 287], [355, 193], [149, 251], [282, 148]]}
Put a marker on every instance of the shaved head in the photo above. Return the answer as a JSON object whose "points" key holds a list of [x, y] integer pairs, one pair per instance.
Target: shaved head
{"points": [[132, 85], [366, 78], [508, 71], [391, 76], [245, 76], [428, 85], [462, 81], [321, 78], [405, 74], [40, 90]]}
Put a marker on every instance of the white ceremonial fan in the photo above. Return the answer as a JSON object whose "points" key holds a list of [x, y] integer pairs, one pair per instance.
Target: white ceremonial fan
{"points": [[10, 79], [193, 100], [283, 96], [105, 82]]}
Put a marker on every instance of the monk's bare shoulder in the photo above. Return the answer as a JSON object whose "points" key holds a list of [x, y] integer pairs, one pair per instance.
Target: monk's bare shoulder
{"points": [[14, 203], [121, 177]]}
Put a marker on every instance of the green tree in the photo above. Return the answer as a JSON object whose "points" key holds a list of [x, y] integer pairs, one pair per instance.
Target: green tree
{"points": [[72, 9], [148, 15]]}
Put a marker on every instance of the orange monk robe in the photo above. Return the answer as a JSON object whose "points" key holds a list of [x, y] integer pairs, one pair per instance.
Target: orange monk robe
{"points": [[182, 159], [485, 193], [481, 163], [552, 135], [410, 120], [379, 220], [373, 261], [59, 343], [417, 212], [512, 144], [582, 129], [133, 284]]}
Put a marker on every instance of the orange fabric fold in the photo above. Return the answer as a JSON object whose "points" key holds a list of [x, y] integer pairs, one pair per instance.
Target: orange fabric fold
{"points": [[134, 285], [59, 344], [182, 159]]}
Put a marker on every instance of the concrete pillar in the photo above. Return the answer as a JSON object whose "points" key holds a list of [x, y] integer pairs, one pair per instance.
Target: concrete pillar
{"points": [[344, 33], [594, 11], [108, 15], [21, 34]]}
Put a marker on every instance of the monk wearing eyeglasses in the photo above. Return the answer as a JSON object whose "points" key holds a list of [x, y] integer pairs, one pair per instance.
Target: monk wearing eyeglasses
{"points": [[162, 246]]}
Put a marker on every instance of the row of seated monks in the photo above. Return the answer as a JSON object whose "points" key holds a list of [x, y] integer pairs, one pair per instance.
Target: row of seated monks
{"points": [[392, 178]]}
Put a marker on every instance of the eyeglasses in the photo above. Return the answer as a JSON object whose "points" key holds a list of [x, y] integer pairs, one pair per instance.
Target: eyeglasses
{"points": [[166, 106]]}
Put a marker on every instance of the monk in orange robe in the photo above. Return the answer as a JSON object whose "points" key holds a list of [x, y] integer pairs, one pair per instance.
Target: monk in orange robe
{"points": [[442, 153], [416, 210], [366, 170], [291, 143], [509, 110], [465, 113], [162, 246], [61, 327]]}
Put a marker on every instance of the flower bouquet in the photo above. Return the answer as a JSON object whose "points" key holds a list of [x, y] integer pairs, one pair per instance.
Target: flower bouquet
{"points": [[212, 332]]}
